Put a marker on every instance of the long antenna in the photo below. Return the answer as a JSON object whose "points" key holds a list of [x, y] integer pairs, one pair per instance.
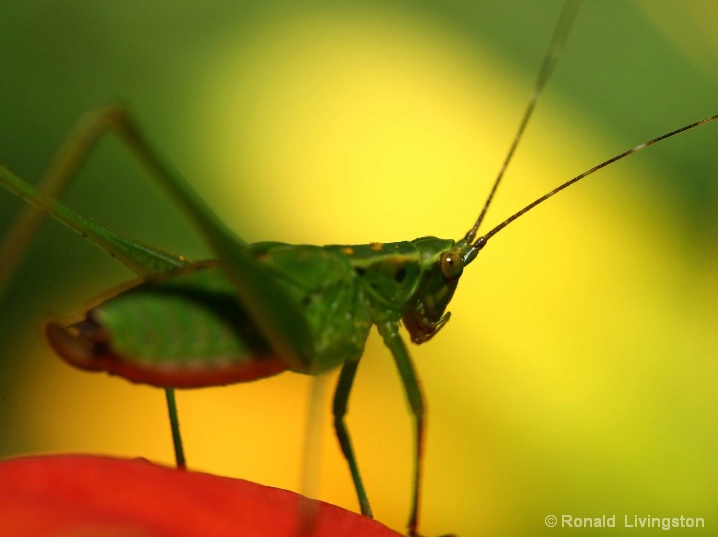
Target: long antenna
{"points": [[481, 241], [560, 33]]}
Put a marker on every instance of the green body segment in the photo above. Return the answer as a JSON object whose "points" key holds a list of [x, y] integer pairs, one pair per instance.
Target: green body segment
{"points": [[191, 319], [187, 328]]}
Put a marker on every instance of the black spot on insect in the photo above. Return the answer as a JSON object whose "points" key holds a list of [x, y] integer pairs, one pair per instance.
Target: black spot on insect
{"points": [[400, 275]]}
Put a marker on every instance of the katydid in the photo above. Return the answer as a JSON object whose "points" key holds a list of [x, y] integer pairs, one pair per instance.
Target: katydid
{"points": [[263, 308]]}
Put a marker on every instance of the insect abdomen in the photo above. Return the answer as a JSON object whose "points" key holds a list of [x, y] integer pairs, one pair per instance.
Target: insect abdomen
{"points": [[187, 330]]}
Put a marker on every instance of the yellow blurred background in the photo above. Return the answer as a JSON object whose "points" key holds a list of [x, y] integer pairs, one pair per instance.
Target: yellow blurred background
{"points": [[578, 373]]}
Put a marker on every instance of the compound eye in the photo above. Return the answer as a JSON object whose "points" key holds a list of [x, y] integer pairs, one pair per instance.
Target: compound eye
{"points": [[451, 265]]}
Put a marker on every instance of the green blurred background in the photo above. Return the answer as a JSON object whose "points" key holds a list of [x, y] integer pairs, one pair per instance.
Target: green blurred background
{"points": [[578, 373]]}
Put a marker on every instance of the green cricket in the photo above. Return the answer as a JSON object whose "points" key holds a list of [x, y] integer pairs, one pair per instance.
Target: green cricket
{"points": [[260, 309]]}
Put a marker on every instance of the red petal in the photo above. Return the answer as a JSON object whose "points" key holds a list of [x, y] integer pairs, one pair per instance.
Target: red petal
{"points": [[83, 496]]}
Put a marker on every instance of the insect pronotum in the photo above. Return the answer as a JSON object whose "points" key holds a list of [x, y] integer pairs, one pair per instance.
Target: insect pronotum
{"points": [[395, 275]]}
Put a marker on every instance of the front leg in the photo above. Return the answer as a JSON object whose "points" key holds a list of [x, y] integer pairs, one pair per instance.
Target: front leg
{"points": [[389, 330]]}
